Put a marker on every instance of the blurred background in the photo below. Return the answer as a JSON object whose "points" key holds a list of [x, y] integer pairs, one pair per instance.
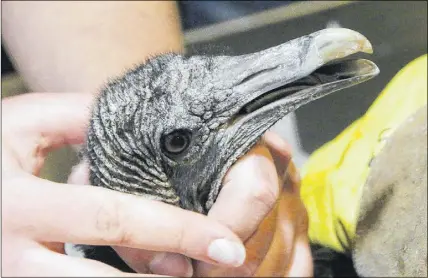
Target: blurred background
{"points": [[397, 30]]}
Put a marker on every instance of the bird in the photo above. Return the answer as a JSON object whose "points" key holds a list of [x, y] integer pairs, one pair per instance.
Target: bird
{"points": [[170, 128]]}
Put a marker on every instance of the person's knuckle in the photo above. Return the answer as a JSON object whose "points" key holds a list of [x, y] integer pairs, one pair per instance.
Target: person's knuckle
{"points": [[110, 224], [180, 238], [265, 195]]}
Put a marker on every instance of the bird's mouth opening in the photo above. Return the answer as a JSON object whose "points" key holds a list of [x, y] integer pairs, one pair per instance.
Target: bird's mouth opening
{"points": [[326, 79]]}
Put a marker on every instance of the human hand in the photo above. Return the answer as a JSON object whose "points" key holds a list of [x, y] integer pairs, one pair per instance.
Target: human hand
{"points": [[271, 220], [40, 215], [266, 211]]}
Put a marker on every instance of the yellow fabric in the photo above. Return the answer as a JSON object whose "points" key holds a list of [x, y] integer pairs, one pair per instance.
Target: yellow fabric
{"points": [[334, 175]]}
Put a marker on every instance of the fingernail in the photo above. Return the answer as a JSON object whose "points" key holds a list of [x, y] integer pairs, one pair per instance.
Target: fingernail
{"points": [[171, 264], [227, 252]]}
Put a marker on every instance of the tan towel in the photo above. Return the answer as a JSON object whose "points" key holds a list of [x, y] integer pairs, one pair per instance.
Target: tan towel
{"points": [[392, 228]]}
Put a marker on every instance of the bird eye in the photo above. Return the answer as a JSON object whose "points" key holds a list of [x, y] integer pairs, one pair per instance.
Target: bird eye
{"points": [[176, 142]]}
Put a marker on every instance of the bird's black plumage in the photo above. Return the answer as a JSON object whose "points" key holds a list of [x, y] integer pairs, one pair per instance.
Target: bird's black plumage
{"points": [[170, 129]]}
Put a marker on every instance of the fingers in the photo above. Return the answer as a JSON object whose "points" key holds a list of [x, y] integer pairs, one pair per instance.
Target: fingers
{"points": [[289, 256], [163, 263], [57, 116], [292, 211], [36, 261], [279, 148], [249, 193], [142, 261], [259, 244], [35, 123], [290, 253], [257, 247], [302, 262], [281, 250], [98, 216]]}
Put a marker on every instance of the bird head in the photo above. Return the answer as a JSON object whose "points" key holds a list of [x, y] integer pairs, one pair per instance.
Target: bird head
{"points": [[172, 127]]}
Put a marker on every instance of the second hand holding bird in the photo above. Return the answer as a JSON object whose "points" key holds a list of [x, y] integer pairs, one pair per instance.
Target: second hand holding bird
{"points": [[254, 206]]}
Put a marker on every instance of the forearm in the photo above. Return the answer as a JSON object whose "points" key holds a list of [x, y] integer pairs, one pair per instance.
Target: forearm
{"points": [[60, 46]]}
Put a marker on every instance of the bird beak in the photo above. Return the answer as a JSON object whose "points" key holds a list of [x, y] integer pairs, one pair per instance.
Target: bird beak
{"points": [[278, 80], [269, 84]]}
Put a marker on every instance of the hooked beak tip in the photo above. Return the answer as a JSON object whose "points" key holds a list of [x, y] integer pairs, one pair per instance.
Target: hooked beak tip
{"points": [[336, 43]]}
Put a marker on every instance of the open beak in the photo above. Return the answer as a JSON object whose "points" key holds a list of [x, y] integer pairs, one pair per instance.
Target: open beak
{"points": [[269, 84], [278, 80]]}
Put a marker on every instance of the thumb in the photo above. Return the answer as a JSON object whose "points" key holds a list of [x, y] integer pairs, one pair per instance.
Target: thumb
{"points": [[161, 263]]}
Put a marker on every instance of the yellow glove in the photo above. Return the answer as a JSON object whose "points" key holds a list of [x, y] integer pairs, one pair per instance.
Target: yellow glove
{"points": [[333, 177]]}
